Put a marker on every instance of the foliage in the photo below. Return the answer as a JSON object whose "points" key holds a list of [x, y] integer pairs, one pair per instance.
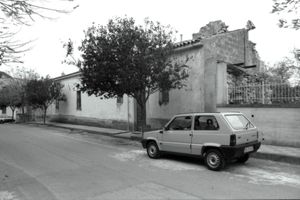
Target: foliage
{"points": [[16, 13], [11, 95], [41, 93], [287, 7], [125, 58], [273, 85], [286, 71], [22, 75]]}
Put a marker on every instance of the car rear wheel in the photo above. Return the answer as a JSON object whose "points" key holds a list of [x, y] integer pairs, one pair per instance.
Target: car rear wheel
{"points": [[243, 159], [152, 150], [214, 160]]}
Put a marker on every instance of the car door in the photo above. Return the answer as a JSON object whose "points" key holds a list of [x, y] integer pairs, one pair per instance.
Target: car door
{"points": [[177, 135], [206, 130]]}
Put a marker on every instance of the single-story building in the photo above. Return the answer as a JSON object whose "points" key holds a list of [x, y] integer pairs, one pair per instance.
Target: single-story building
{"points": [[213, 53]]}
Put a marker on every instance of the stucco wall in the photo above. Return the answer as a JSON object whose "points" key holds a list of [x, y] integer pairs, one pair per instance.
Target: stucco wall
{"points": [[187, 99], [280, 126], [93, 109], [8, 112]]}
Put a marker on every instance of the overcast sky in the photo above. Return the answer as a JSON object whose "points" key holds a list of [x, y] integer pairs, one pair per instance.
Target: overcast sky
{"points": [[186, 17]]}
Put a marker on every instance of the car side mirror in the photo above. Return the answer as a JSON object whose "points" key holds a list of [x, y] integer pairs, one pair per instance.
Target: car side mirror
{"points": [[163, 129]]}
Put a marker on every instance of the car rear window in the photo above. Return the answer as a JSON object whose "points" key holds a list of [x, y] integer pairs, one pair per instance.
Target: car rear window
{"points": [[239, 122], [206, 123]]}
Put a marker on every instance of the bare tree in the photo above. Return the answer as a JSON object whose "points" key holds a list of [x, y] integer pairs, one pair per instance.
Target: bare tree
{"points": [[22, 76], [11, 95], [290, 10], [17, 13]]}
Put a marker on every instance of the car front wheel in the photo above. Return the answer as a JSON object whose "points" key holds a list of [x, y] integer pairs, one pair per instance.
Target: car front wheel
{"points": [[214, 160], [152, 150]]}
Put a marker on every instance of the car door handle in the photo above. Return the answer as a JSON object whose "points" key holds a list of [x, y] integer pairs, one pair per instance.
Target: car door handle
{"points": [[191, 134]]}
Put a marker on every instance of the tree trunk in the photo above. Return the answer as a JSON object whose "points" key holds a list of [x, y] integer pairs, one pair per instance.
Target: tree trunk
{"points": [[143, 114], [13, 113], [143, 118], [45, 113], [141, 111]]}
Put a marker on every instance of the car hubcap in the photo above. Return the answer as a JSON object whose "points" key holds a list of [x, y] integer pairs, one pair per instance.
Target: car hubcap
{"points": [[213, 160], [152, 150]]}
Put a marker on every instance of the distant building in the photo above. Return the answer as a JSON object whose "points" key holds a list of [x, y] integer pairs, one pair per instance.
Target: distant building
{"points": [[4, 80], [214, 52]]}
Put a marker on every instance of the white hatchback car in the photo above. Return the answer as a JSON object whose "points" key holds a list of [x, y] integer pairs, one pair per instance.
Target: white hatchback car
{"points": [[216, 137]]}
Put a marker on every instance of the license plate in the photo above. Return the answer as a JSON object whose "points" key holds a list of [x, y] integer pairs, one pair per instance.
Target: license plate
{"points": [[248, 149]]}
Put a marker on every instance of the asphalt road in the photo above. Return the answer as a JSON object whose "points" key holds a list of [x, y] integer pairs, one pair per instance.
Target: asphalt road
{"points": [[38, 163]]}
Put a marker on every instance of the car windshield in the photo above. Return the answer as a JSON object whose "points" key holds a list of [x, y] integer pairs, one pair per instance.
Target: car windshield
{"points": [[239, 122]]}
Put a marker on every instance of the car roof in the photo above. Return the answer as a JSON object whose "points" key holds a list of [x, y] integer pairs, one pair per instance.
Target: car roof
{"points": [[208, 113]]}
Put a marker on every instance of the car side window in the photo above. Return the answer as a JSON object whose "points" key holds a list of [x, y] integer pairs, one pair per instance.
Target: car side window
{"points": [[206, 123], [181, 123]]}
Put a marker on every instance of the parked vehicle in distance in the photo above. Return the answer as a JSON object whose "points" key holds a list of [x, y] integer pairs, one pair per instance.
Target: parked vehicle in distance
{"points": [[216, 137], [5, 119]]}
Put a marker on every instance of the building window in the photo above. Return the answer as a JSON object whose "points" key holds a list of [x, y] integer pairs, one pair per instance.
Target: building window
{"points": [[57, 104], [163, 97], [120, 99], [78, 102], [3, 110]]}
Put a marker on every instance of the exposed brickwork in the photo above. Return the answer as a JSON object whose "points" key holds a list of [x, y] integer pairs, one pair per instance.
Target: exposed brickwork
{"points": [[228, 47], [252, 57], [212, 28]]}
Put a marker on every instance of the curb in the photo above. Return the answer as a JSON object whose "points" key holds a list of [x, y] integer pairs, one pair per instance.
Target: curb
{"points": [[277, 157], [116, 135]]}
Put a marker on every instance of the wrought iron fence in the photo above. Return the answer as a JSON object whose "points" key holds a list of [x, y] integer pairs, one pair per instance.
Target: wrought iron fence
{"points": [[270, 93]]}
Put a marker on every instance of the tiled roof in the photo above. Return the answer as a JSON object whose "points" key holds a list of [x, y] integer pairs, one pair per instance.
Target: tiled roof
{"points": [[186, 43], [66, 76]]}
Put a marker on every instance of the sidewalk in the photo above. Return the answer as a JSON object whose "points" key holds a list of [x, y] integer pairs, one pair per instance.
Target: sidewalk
{"points": [[269, 152]]}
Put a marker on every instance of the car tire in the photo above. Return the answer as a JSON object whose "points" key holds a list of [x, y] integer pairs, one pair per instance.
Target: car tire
{"points": [[243, 159], [214, 160], [152, 150]]}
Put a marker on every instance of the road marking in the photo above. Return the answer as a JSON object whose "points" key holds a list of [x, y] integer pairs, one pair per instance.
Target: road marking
{"points": [[175, 166], [141, 156], [5, 195], [130, 155], [262, 176]]}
